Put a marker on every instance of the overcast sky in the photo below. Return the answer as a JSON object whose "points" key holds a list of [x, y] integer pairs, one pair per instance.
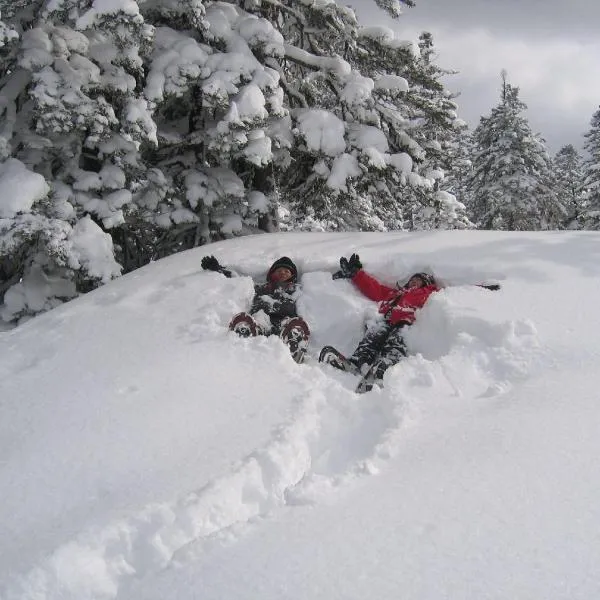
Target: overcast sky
{"points": [[550, 48]]}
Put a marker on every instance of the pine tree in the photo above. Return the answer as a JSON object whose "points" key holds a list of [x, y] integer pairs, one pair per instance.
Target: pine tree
{"points": [[150, 126], [589, 217], [459, 155], [568, 173], [61, 100], [511, 181], [352, 155], [437, 128], [218, 109]]}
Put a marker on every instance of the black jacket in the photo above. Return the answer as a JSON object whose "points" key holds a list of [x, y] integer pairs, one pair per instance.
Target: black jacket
{"points": [[277, 301]]}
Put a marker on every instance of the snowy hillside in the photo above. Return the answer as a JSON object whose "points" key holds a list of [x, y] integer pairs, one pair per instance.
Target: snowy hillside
{"points": [[147, 453]]}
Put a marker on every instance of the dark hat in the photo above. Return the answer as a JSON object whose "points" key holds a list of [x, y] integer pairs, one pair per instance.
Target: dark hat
{"points": [[426, 278], [286, 262]]}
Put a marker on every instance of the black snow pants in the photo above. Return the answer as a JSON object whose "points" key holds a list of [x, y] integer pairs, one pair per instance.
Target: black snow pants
{"points": [[382, 344]]}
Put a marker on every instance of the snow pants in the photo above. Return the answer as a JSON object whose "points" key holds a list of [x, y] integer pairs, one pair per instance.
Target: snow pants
{"points": [[382, 344]]}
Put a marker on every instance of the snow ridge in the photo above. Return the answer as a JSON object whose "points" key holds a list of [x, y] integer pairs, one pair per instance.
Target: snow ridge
{"points": [[304, 460]]}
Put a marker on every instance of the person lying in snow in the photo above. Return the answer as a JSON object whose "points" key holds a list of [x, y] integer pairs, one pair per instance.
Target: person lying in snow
{"points": [[273, 309], [383, 344]]}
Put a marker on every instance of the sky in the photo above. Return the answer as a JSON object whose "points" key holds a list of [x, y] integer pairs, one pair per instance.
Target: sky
{"points": [[549, 48], [148, 453]]}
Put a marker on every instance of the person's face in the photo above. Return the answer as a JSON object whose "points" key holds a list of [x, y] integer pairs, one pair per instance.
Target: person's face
{"points": [[415, 282], [281, 274]]}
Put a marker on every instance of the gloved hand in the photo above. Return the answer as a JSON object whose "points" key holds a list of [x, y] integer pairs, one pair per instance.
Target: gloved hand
{"points": [[210, 263], [348, 268]]}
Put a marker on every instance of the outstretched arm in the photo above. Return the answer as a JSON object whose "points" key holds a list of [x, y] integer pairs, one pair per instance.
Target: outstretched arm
{"points": [[371, 288], [494, 287], [210, 263]]}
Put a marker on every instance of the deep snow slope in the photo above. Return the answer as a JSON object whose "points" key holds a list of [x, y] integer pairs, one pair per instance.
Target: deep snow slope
{"points": [[145, 452]]}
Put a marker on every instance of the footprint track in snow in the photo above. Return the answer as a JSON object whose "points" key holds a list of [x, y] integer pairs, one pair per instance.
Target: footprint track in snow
{"points": [[331, 437]]}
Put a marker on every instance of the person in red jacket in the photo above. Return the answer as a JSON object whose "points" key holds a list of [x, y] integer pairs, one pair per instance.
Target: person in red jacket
{"points": [[383, 344]]}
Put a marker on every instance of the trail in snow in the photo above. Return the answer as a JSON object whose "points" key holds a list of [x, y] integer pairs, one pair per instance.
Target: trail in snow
{"points": [[330, 438]]}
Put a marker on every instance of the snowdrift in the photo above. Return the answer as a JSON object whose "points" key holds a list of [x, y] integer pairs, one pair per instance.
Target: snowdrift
{"points": [[146, 452]]}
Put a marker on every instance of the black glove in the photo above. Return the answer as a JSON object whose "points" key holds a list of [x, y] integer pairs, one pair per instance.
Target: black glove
{"points": [[210, 263], [348, 268]]}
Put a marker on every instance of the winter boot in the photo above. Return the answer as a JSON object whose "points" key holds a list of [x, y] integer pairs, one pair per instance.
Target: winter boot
{"points": [[335, 358], [373, 377], [295, 334], [244, 325]]}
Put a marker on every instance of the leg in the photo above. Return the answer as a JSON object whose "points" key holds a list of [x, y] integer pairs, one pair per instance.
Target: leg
{"points": [[392, 351], [371, 344]]}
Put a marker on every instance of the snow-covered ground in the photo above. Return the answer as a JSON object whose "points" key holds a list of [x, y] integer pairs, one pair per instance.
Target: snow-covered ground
{"points": [[147, 453]]}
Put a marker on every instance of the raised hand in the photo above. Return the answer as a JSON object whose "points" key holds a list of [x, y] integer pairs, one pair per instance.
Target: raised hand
{"points": [[348, 268], [210, 263]]}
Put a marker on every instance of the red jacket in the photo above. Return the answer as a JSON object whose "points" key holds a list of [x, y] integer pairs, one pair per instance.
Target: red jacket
{"points": [[395, 304]]}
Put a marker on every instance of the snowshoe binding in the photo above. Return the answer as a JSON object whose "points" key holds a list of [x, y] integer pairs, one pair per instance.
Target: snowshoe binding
{"points": [[373, 377], [244, 325], [336, 359], [295, 334]]}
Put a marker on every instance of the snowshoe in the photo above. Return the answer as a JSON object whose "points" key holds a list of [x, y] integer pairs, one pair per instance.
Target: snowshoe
{"points": [[373, 377], [295, 334], [244, 325], [336, 359]]}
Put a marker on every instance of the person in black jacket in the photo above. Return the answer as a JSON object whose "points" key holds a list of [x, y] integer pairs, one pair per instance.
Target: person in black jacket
{"points": [[273, 309]]}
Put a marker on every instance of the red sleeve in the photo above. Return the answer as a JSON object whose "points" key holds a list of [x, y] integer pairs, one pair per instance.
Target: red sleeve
{"points": [[371, 288]]}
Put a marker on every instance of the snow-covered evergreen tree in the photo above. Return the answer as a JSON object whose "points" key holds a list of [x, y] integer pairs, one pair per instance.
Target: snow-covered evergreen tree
{"points": [[459, 155], [150, 126], [218, 110], [589, 217], [511, 182], [568, 174], [62, 101], [351, 155], [436, 127]]}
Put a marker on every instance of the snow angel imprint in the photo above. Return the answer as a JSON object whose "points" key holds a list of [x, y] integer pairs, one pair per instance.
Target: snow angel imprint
{"points": [[273, 309]]}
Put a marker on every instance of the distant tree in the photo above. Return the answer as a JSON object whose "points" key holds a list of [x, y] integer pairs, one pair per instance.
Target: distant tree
{"points": [[511, 182], [436, 127], [459, 155], [589, 217], [568, 174]]}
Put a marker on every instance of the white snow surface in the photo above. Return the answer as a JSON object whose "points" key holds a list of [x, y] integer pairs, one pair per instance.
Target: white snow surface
{"points": [[148, 453]]}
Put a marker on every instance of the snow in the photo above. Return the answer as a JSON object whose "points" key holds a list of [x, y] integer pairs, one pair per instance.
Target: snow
{"points": [[391, 83], [107, 7], [344, 167], [258, 202], [211, 184], [249, 105], [19, 188], [322, 130], [402, 162], [147, 453], [92, 249], [175, 59], [357, 90]]}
